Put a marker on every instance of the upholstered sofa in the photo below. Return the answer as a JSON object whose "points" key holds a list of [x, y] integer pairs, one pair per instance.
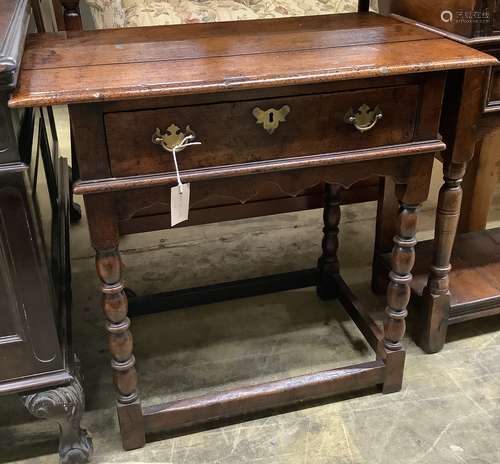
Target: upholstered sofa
{"points": [[127, 13]]}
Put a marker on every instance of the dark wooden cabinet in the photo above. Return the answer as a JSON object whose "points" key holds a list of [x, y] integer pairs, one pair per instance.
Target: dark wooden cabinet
{"points": [[29, 343], [36, 357], [466, 18]]}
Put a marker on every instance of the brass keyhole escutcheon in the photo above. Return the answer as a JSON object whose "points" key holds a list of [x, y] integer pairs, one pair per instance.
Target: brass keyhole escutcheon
{"points": [[364, 118], [270, 119], [172, 137]]}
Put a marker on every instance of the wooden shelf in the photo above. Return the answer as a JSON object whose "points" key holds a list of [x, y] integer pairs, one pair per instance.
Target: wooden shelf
{"points": [[475, 276]]}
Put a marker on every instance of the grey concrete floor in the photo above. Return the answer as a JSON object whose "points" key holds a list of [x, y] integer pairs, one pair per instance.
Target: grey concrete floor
{"points": [[447, 412]]}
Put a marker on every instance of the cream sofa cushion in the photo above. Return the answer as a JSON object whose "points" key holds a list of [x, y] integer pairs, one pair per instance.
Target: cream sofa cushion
{"points": [[158, 12], [106, 14], [128, 13]]}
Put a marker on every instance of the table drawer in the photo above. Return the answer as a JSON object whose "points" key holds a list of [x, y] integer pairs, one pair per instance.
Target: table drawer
{"points": [[259, 130]]}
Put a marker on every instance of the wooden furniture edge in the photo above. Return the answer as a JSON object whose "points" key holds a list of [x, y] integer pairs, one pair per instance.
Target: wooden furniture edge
{"points": [[13, 167], [154, 180], [184, 298], [41, 99], [256, 398], [36, 87], [469, 41], [37, 382], [11, 47]]}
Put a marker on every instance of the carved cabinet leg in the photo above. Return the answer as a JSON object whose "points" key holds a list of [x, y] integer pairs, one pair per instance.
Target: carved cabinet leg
{"points": [[398, 296], [328, 264], [115, 307], [64, 405], [436, 296]]}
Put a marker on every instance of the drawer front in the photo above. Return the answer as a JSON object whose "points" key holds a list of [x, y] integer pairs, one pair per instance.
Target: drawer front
{"points": [[259, 130]]}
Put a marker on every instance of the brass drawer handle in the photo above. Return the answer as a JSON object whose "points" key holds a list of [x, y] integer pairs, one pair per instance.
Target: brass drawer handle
{"points": [[364, 118], [271, 118], [174, 138]]}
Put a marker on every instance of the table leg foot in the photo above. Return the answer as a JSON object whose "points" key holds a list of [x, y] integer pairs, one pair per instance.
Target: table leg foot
{"points": [[435, 304], [395, 363], [131, 423], [120, 343], [433, 323]]}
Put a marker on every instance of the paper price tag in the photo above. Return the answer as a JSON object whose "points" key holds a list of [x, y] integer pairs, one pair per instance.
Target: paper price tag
{"points": [[179, 204]]}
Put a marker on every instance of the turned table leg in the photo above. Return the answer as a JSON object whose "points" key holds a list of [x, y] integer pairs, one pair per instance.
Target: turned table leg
{"points": [[398, 296], [328, 264], [115, 307], [104, 234], [65, 405], [436, 296]]}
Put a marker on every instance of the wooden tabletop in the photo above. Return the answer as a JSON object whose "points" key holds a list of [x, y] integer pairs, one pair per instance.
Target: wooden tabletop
{"points": [[72, 67]]}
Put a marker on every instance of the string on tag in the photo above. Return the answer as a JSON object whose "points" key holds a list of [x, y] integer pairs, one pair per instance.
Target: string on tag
{"points": [[186, 142]]}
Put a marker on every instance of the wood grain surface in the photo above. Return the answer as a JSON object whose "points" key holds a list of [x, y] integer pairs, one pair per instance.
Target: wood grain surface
{"points": [[118, 64]]}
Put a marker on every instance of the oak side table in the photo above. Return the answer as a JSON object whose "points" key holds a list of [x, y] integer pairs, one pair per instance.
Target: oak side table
{"points": [[472, 289], [294, 102]]}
